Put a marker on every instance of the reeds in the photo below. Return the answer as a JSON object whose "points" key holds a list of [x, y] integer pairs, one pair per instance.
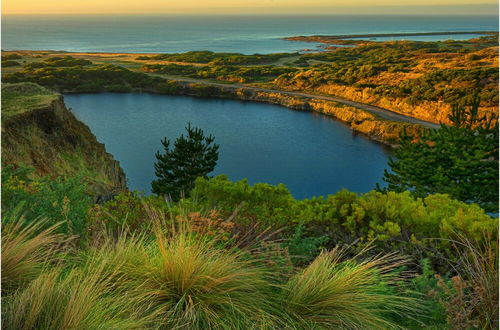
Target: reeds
{"points": [[473, 302]]}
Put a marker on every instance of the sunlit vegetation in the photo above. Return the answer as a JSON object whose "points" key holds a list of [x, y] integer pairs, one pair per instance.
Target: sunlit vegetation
{"points": [[416, 71], [8, 63], [422, 253], [460, 160], [85, 78], [419, 79], [18, 98], [12, 56], [66, 61], [238, 74], [238, 256], [212, 58]]}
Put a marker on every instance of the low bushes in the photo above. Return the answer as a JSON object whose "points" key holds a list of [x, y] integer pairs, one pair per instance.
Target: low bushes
{"points": [[239, 256], [54, 199], [391, 221]]}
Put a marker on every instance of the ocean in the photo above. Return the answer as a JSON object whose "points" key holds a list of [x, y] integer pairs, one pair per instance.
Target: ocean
{"points": [[246, 34]]}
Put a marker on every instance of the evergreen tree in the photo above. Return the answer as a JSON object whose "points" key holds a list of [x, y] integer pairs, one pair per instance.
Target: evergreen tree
{"points": [[459, 160], [194, 155]]}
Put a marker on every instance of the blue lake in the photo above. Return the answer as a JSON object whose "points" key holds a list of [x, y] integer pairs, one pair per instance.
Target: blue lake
{"points": [[310, 153]]}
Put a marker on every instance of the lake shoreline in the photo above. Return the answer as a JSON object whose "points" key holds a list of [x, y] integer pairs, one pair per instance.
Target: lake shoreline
{"points": [[249, 133], [371, 126]]}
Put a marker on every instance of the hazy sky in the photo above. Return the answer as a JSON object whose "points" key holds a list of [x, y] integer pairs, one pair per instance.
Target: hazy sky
{"points": [[249, 6]]}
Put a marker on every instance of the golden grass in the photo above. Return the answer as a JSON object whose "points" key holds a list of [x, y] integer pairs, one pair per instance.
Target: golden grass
{"points": [[331, 293], [188, 280], [26, 248], [475, 302], [71, 299]]}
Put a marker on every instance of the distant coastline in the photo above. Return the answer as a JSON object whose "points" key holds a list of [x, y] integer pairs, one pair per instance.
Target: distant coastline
{"points": [[340, 38], [243, 34]]}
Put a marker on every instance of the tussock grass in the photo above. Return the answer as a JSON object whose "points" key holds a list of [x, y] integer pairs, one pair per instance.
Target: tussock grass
{"points": [[26, 248], [189, 281], [181, 277], [71, 299], [475, 302], [331, 293]]}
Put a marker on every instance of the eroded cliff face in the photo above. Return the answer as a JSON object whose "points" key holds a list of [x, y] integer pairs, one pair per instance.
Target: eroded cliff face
{"points": [[54, 142], [376, 128], [435, 112]]}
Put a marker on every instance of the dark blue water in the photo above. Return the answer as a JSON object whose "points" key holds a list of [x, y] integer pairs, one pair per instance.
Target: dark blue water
{"points": [[241, 33], [310, 153]]}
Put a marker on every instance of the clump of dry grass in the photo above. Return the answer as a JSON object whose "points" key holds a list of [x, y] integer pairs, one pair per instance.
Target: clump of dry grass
{"points": [[73, 299], [26, 248], [188, 280], [349, 294], [472, 298]]}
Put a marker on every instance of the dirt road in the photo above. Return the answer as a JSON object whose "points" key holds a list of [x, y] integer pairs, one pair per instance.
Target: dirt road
{"points": [[381, 112]]}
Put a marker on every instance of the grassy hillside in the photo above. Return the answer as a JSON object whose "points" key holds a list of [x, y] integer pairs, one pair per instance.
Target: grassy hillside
{"points": [[24, 97], [38, 131]]}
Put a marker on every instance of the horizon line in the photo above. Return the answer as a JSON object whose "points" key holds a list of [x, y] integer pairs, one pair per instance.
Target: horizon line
{"points": [[248, 14], [478, 9]]}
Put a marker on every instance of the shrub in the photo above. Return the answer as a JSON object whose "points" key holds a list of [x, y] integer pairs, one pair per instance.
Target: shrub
{"points": [[418, 227], [55, 199], [127, 211], [10, 63], [11, 57]]}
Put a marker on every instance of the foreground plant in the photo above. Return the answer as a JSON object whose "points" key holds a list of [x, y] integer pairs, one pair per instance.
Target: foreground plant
{"points": [[472, 297], [331, 293], [71, 300], [26, 248], [189, 281]]}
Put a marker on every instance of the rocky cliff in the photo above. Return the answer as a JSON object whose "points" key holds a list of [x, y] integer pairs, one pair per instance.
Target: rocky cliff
{"points": [[39, 131]]}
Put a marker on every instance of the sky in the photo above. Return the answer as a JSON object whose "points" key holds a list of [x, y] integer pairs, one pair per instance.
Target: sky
{"points": [[250, 7]]}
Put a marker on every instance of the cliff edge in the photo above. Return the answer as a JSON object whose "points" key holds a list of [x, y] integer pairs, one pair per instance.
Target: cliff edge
{"points": [[40, 132]]}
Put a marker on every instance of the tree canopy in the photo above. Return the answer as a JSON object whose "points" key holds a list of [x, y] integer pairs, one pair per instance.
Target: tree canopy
{"points": [[459, 160], [194, 155]]}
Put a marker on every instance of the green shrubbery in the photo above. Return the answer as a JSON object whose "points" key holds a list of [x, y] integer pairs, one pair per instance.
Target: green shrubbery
{"points": [[66, 61], [391, 221], [87, 79], [209, 57], [460, 160], [57, 200], [7, 63], [220, 72], [13, 56], [239, 256]]}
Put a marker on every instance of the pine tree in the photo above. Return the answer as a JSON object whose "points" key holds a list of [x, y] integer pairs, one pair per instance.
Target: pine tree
{"points": [[193, 156], [459, 160]]}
